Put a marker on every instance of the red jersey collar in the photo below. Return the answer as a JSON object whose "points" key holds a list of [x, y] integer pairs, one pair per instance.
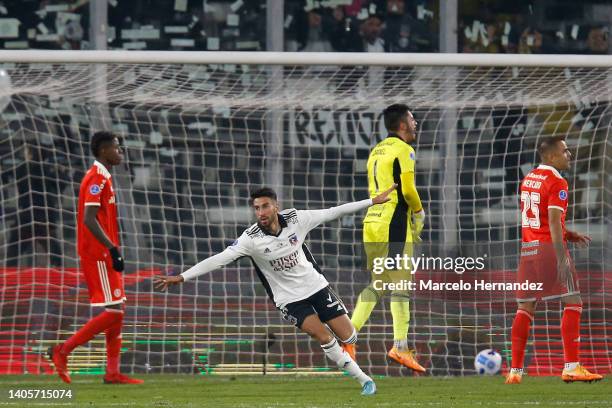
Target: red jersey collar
{"points": [[102, 168]]}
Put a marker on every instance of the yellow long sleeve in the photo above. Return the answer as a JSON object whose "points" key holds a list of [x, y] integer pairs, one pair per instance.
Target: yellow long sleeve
{"points": [[410, 193]]}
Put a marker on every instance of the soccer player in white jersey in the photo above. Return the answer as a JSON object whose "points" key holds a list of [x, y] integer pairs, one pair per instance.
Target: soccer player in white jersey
{"points": [[291, 276]]}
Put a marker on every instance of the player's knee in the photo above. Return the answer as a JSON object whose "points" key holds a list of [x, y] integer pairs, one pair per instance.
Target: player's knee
{"points": [[315, 329], [352, 338], [370, 294], [115, 309], [572, 300], [528, 307], [323, 338], [400, 296]]}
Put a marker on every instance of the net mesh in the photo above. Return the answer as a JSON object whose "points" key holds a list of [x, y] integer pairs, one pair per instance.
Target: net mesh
{"points": [[200, 137]]}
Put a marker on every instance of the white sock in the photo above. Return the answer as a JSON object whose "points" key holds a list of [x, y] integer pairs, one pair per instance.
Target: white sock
{"points": [[571, 366], [518, 371], [334, 352], [352, 339], [401, 345]]}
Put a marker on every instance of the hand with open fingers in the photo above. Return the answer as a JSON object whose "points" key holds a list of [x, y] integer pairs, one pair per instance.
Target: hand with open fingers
{"points": [[581, 240], [163, 282], [384, 196]]}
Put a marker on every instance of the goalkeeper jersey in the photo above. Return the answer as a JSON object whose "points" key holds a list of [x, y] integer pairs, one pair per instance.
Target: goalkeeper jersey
{"points": [[283, 263], [392, 161]]}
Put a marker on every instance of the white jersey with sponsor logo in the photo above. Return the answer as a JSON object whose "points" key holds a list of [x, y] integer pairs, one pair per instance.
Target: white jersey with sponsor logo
{"points": [[283, 262]]}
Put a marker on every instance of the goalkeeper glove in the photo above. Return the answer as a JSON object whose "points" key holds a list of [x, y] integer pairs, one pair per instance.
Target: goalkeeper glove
{"points": [[118, 264], [418, 224]]}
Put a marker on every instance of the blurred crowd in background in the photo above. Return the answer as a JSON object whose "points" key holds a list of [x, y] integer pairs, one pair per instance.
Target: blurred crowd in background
{"points": [[494, 26]]}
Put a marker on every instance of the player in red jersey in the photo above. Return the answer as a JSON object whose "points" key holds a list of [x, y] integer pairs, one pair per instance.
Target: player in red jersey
{"points": [[101, 261], [545, 259]]}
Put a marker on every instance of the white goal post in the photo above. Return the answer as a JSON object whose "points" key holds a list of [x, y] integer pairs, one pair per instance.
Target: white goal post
{"points": [[204, 128], [303, 58]]}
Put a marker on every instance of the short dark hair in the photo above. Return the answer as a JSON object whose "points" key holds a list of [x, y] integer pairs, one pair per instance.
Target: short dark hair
{"points": [[99, 139], [547, 143], [393, 115], [262, 192]]}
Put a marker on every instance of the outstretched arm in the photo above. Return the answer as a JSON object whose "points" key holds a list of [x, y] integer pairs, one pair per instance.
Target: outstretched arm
{"points": [[201, 268], [207, 265], [317, 217], [238, 249]]}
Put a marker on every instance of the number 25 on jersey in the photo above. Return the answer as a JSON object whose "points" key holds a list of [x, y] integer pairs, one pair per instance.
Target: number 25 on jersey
{"points": [[530, 201]]}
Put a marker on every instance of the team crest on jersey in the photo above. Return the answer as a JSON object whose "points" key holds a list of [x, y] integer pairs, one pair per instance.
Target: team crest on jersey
{"points": [[563, 195], [94, 189], [293, 239]]}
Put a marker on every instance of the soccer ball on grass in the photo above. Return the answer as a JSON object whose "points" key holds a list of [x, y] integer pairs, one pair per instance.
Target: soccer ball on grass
{"points": [[487, 362]]}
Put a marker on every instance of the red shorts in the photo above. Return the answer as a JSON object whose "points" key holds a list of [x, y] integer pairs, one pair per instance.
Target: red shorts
{"points": [[538, 265], [104, 283]]}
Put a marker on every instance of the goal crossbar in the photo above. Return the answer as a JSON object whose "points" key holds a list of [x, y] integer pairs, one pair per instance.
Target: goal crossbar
{"points": [[301, 58]]}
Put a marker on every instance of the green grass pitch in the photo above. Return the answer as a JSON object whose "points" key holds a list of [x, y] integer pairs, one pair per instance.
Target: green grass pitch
{"points": [[291, 391]]}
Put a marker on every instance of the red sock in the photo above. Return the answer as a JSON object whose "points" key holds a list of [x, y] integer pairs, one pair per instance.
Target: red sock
{"points": [[570, 332], [96, 325], [113, 346], [520, 334]]}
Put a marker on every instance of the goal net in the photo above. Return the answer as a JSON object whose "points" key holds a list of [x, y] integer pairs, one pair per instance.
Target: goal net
{"points": [[201, 131]]}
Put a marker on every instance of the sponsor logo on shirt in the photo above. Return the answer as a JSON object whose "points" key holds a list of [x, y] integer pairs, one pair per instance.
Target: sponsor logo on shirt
{"points": [[94, 189], [563, 195], [284, 263], [411, 156]]}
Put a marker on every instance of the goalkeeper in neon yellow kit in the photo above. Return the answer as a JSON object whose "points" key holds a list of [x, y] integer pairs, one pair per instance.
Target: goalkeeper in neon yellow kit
{"points": [[391, 228]]}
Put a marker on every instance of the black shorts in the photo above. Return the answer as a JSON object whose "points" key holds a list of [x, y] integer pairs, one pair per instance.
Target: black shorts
{"points": [[324, 303]]}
